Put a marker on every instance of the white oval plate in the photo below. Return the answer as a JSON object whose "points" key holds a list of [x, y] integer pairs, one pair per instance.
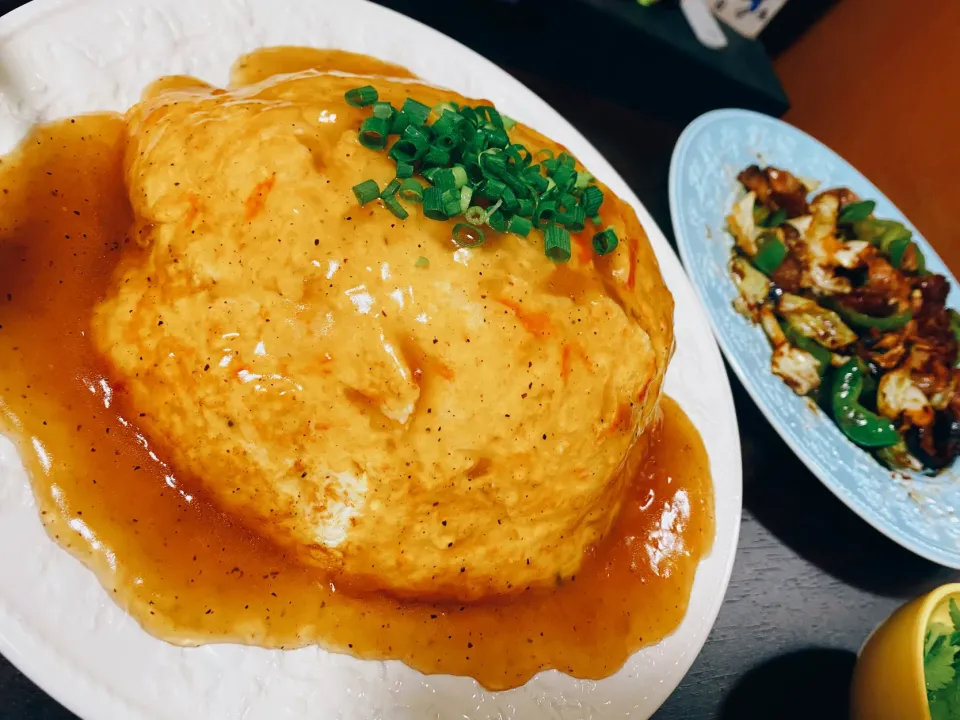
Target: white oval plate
{"points": [[60, 57]]}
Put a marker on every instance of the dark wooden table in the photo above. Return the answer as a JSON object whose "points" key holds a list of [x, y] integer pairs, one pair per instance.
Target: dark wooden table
{"points": [[811, 579]]}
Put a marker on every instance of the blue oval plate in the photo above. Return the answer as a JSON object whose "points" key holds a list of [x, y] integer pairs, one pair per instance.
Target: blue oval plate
{"points": [[916, 511]]}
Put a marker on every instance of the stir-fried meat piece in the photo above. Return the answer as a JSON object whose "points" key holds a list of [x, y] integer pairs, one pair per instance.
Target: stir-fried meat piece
{"points": [[868, 302], [789, 276], [933, 331], [884, 279], [776, 189], [885, 351]]}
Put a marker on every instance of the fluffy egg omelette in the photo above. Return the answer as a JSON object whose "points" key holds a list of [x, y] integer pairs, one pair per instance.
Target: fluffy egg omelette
{"points": [[411, 416]]}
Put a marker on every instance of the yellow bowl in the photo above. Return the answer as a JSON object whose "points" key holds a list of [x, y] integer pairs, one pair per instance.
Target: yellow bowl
{"points": [[888, 682]]}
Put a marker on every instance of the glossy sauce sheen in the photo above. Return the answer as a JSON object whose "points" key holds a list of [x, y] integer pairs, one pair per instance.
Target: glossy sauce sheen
{"points": [[183, 569]]}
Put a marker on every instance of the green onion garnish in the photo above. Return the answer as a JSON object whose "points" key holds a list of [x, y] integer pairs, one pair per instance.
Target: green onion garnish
{"points": [[574, 219], [383, 110], [592, 199], [466, 235], [433, 203], [373, 133], [605, 242], [497, 220], [466, 195], [475, 215], [390, 189], [411, 190], [366, 191], [437, 156], [361, 96], [394, 206], [451, 202], [416, 111], [466, 154], [556, 244], [544, 214], [519, 226], [422, 262]]}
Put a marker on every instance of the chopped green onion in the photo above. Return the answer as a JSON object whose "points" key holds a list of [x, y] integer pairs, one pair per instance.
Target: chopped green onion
{"points": [[451, 202], [556, 244], [416, 111], [527, 207], [597, 220], [404, 170], [443, 179], [492, 163], [361, 96], [489, 114], [433, 203], [445, 106], [411, 190], [373, 133], [422, 262], [466, 235], [544, 153], [510, 202], [466, 195], [508, 123], [496, 137], [605, 242], [592, 199], [475, 215], [459, 176], [390, 189], [383, 110], [394, 206], [565, 178], [519, 226], [447, 141], [366, 191], [574, 219], [436, 156], [567, 160], [497, 220], [407, 151], [567, 202], [399, 123], [492, 189], [428, 173], [550, 166], [544, 214], [583, 179]]}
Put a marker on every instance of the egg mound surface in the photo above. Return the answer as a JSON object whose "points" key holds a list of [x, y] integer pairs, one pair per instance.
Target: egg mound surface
{"points": [[433, 421]]}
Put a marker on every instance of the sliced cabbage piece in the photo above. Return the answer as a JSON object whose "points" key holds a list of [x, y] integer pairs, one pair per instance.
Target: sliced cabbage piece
{"points": [[898, 395], [814, 321]]}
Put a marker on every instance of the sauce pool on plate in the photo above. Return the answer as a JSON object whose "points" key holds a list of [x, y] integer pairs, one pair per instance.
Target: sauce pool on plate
{"points": [[181, 567]]}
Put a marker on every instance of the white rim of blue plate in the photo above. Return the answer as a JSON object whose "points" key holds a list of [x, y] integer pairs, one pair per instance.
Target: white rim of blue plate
{"points": [[918, 490]]}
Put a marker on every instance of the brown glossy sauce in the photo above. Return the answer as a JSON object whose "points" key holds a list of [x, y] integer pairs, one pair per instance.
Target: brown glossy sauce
{"points": [[183, 569]]}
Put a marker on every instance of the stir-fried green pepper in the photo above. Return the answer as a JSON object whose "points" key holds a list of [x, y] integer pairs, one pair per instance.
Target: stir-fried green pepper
{"points": [[897, 252], [775, 219], [865, 428], [856, 211], [770, 253], [881, 232], [884, 324], [801, 341]]}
